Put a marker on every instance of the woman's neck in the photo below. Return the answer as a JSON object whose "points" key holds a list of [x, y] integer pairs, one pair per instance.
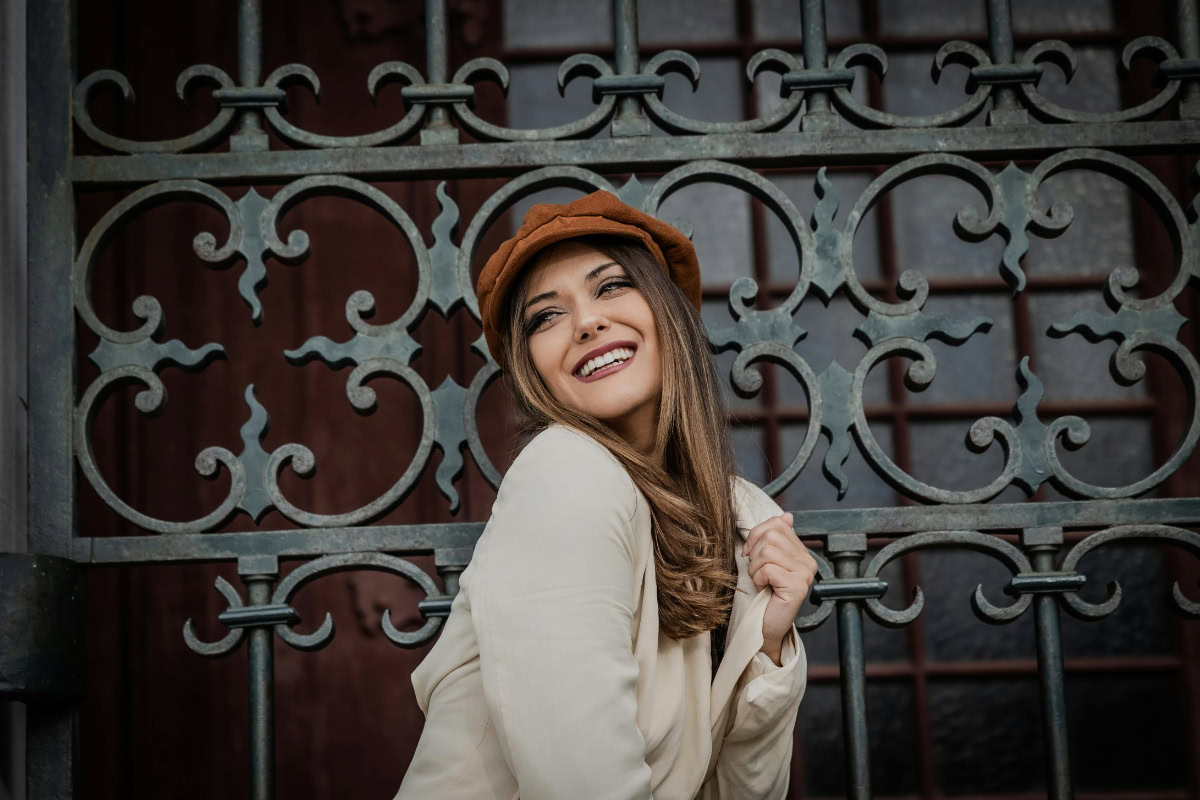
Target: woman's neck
{"points": [[639, 427]]}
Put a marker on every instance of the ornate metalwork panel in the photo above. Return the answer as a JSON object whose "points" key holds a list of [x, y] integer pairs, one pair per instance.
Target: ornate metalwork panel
{"points": [[1003, 144]]}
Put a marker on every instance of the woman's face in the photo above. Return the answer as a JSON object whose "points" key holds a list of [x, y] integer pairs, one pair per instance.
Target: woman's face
{"points": [[593, 340]]}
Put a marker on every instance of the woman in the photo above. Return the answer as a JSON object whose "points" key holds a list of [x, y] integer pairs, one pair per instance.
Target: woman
{"points": [[624, 629]]}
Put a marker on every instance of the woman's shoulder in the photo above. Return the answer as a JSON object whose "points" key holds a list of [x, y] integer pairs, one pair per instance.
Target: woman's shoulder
{"points": [[560, 458], [557, 438]]}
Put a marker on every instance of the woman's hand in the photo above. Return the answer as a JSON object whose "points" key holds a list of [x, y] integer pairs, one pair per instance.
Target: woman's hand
{"points": [[780, 559]]}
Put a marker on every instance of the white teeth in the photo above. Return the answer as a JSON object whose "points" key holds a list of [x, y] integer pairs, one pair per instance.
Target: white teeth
{"points": [[612, 356]]}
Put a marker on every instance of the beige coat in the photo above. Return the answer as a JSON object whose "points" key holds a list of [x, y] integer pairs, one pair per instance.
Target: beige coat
{"points": [[550, 679]]}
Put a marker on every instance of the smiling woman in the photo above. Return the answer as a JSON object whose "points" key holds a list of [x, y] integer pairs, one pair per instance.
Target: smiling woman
{"points": [[625, 627], [587, 321]]}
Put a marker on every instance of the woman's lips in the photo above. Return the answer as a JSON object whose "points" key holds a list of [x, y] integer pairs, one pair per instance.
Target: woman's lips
{"points": [[607, 370]]}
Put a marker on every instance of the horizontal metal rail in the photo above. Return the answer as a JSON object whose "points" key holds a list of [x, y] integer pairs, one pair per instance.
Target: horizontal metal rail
{"points": [[202, 547], [645, 153]]}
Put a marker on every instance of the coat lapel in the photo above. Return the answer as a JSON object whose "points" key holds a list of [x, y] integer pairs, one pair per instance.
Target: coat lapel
{"points": [[746, 617]]}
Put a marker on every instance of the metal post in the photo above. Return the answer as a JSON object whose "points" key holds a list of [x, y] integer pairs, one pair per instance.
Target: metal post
{"points": [[629, 120], [51, 724], [250, 135], [14, 475], [1005, 108], [818, 115], [437, 129], [846, 550], [259, 572], [1042, 545], [1187, 25]]}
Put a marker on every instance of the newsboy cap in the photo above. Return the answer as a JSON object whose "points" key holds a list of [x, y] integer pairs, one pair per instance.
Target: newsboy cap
{"points": [[598, 212]]}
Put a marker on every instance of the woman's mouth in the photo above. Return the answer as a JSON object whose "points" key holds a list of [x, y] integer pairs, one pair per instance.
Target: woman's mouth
{"points": [[612, 361]]}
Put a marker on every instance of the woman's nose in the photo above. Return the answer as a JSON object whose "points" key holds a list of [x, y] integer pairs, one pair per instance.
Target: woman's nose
{"points": [[591, 322]]}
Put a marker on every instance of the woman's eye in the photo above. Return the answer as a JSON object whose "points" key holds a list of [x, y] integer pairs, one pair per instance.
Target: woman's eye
{"points": [[536, 321], [540, 319], [614, 284]]}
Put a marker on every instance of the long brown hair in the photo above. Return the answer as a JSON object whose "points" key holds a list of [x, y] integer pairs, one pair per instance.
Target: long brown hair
{"points": [[686, 479]]}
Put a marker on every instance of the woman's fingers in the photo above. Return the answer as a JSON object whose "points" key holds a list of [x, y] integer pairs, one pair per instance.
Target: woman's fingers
{"points": [[763, 575], [800, 563], [778, 557], [781, 523]]}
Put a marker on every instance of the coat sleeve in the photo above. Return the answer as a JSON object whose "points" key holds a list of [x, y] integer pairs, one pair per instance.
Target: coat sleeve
{"points": [[553, 608], [756, 757]]}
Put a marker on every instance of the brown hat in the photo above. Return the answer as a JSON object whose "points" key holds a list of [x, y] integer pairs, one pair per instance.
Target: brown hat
{"points": [[598, 212]]}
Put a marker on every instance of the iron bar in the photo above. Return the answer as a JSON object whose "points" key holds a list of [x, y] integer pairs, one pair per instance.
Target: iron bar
{"points": [[214, 547], [250, 136], [1014, 667], [298, 543], [1042, 545], [259, 572], [1005, 108], [1187, 26], [846, 550], [1136, 407], [818, 115], [644, 154], [52, 758], [438, 128], [906, 43], [938, 284], [629, 120]]}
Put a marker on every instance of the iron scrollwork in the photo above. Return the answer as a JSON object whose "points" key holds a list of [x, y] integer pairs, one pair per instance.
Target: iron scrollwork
{"points": [[646, 85], [279, 614], [824, 250], [1166, 534]]}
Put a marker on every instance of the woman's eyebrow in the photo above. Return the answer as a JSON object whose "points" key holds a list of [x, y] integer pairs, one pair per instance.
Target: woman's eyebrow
{"points": [[547, 295]]}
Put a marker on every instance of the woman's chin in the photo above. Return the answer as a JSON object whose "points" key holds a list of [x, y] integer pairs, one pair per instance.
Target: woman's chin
{"points": [[616, 413]]}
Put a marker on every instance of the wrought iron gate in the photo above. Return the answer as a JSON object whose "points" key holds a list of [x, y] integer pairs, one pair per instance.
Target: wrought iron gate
{"points": [[820, 120]]}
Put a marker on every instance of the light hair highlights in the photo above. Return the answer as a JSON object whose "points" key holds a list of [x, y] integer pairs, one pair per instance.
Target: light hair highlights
{"points": [[686, 479]]}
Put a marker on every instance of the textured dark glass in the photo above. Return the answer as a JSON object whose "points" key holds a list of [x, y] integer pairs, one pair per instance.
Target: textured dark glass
{"points": [[1127, 732], [952, 631], [829, 336], [720, 101], [941, 458], [893, 740], [676, 21], [1072, 369], [776, 18], [924, 210], [813, 490], [1031, 16], [987, 735], [1141, 625], [907, 90], [556, 23], [980, 370], [932, 17]]}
